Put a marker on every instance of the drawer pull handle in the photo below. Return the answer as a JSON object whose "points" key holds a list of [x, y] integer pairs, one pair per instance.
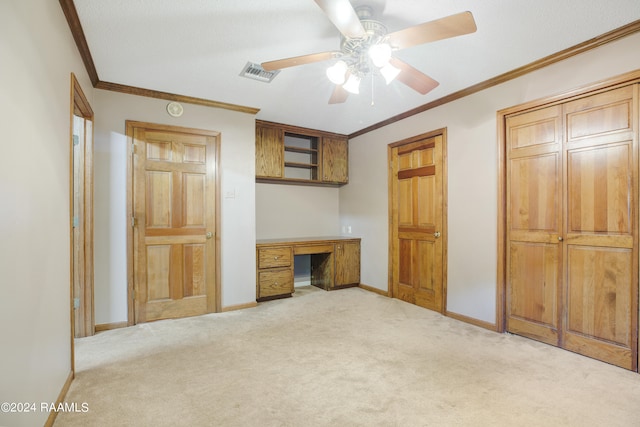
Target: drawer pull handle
{"points": [[275, 283], [275, 257]]}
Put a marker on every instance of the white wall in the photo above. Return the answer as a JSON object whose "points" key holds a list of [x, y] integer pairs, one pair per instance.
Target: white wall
{"points": [[237, 214], [472, 174], [37, 56], [296, 211]]}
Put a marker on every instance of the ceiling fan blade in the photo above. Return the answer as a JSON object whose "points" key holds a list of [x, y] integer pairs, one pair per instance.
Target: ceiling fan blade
{"points": [[343, 16], [339, 95], [413, 78], [444, 28], [298, 60]]}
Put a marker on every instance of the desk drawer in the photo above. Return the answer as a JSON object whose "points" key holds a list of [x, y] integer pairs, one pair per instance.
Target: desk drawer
{"points": [[313, 249], [274, 257], [275, 282]]}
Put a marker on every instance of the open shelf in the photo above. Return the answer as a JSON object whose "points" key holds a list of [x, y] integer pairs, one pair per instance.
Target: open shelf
{"points": [[299, 165], [300, 150], [300, 157]]}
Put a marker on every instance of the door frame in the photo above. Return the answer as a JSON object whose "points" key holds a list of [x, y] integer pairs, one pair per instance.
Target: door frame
{"points": [[79, 106], [501, 119], [130, 125], [391, 194]]}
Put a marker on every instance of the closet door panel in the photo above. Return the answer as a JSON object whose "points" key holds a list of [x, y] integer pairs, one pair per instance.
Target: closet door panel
{"points": [[601, 269], [534, 216]]}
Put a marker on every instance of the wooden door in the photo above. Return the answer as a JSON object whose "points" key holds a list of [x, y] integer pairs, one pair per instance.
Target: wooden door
{"points": [[269, 152], [335, 153], [534, 218], [174, 198], [347, 257], [572, 225], [601, 239], [417, 221]]}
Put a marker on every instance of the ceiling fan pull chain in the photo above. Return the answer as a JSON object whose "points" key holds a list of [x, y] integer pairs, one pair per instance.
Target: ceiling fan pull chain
{"points": [[372, 85]]}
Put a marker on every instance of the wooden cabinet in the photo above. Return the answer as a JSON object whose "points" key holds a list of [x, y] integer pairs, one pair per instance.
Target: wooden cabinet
{"points": [[335, 264], [335, 160], [269, 152], [294, 155], [274, 272], [347, 259]]}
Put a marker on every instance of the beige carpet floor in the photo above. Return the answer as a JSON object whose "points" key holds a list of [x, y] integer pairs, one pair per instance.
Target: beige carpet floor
{"points": [[341, 358]]}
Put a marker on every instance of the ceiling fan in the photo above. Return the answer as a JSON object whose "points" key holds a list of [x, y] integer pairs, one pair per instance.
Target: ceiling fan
{"points": [[366, 48]]}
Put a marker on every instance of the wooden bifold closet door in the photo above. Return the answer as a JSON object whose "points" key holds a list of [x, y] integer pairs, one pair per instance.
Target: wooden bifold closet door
{"points": [[572, 225]]}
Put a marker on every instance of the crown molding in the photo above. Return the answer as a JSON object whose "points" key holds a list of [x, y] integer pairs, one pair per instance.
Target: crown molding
{"points": [[593, 43], [150, 93], [70, 12]]}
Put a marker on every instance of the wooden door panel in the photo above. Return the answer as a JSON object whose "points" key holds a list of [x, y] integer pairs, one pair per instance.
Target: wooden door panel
{"points": [[534, 193], [174, 193], [599, 115], [602, 238], [427, 203], [158, 272], [424, 267], [194, 270], [405, 259], [158, 193], [534, 212], [195, 154], [405, 203], [193, 200], [159, 150], [533, 294], [599, 292], [599, 181], [535, 129]]}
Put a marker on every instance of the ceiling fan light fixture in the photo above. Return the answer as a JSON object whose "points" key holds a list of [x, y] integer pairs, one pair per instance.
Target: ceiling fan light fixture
{"points": [[337, 72], [389, 72], [380, 54], [352, 85]]}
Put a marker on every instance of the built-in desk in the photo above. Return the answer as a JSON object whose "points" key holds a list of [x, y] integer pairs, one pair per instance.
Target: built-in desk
{"points": [[335, 264]]}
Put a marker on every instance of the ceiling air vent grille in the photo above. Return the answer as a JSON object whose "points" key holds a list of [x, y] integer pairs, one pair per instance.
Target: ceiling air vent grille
{"points": [[256, 72]]}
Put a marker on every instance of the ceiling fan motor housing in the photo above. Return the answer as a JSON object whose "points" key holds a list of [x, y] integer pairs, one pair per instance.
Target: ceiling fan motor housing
{"points": [[355, 49]]}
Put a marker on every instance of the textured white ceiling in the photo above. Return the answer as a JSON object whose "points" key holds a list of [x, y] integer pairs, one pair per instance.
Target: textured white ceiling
{"points": [[198, 48]]}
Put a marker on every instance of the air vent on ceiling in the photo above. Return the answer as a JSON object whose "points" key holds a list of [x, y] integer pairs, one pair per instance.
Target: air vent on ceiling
{"points": [[256, 72]]}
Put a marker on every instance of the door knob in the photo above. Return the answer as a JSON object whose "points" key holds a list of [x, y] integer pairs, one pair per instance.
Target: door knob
{"points": [[209, 234], [436, 234], [560, 239]]}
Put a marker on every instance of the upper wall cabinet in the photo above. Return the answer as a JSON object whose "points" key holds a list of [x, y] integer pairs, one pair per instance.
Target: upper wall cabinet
{"points": [[293, 155], [269, 152]]}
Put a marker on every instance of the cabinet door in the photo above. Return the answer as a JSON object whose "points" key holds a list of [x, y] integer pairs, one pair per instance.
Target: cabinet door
{"points": [[335, 160], [347, 256], [269, 152]]}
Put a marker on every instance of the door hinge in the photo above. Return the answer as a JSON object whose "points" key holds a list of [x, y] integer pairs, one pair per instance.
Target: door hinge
{"points": [[133, 147], [76, 222], [76, 139], [133, 221], [76, 303]]}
